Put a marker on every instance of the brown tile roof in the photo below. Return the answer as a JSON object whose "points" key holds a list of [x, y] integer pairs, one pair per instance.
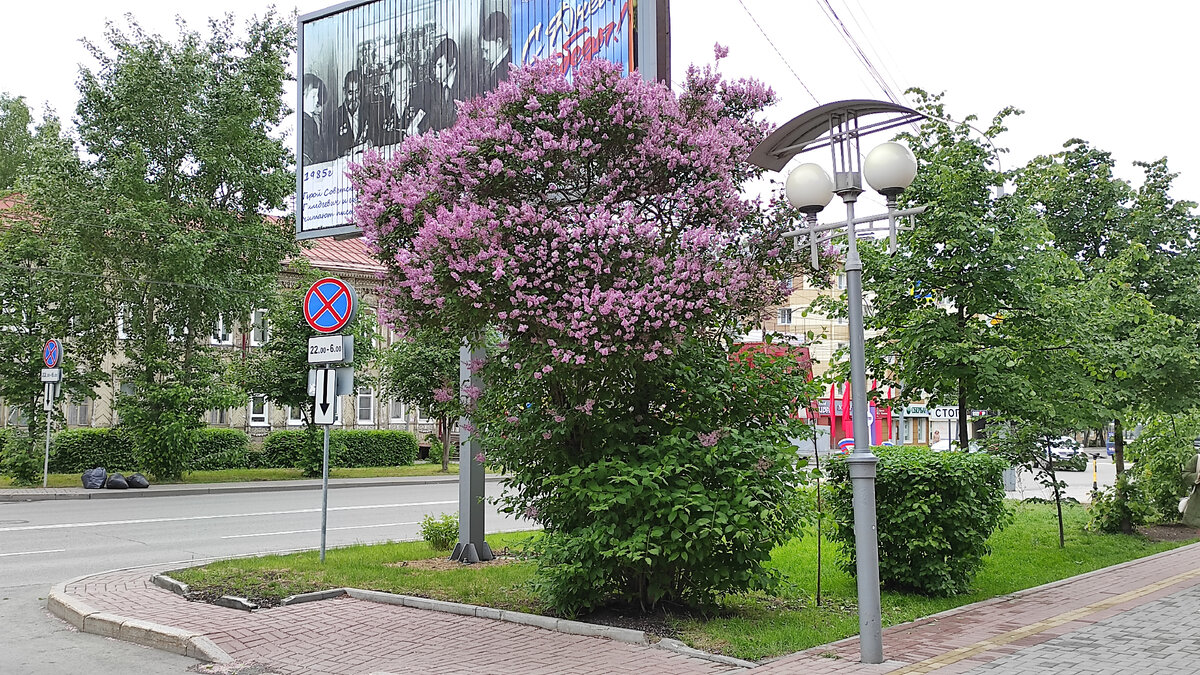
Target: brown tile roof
{"points": [[349, 255]]}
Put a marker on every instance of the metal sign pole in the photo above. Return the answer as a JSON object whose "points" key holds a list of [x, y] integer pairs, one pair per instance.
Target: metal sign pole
{"points": [[324, 476], [324, 486], [49, 407]]}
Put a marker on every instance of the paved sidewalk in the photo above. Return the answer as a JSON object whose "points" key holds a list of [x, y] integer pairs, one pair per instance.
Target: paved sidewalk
{"points": [[1137, 617], [176, 490]]}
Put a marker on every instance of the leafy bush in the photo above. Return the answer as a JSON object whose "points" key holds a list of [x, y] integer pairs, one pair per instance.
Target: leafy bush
{"points": [[19, 460], [347, 449], [77, 450], [440, 532], [935, 512], [1124, 502], [372, 447], [218, 449], [680, 501], [1158, 456], [285, 448]]}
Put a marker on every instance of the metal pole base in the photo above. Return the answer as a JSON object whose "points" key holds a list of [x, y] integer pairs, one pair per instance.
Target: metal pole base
{"points": [[472, 553], [866, 546]]}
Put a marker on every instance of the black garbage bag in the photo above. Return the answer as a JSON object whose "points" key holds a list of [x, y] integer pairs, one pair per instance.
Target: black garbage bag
{"points": [[137, 480], [94, 479], [116, 482]]}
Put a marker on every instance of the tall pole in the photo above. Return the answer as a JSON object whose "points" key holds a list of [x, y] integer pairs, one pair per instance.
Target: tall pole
{"points": [[862, 462], [325, 476], [49, 412], [471, 547]]}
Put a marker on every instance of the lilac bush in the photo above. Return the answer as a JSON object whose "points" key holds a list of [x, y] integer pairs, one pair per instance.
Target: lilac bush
{"points": [[598, 225]]}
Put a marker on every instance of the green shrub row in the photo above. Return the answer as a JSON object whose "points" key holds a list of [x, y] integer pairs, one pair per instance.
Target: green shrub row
{"points": [[935, 512], [76, 450], [347, 448]]}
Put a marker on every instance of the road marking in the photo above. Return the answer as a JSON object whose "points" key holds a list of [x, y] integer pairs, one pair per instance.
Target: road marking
{"points": [[139, 521], [331, 529], [57, 550], [955, 655]]}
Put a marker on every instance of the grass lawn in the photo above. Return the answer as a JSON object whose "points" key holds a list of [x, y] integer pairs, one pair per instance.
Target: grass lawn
{"points": [[748, 626], [246, 475]]}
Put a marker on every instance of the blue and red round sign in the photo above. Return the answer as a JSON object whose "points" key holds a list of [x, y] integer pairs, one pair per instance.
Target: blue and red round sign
{"points": [[329, 305], [51, 353]]}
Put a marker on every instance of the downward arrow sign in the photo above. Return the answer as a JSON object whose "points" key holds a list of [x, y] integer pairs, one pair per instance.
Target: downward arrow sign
{"points": [[325, 396]]}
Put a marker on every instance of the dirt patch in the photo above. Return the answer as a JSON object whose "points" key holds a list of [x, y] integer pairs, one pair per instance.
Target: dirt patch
{"points": [[443, 564], [1168, 532]]}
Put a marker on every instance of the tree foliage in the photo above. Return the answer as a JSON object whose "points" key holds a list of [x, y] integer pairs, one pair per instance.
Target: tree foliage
{"points": [[279, 369], [422, 369], [182, 163], [597, 225]]}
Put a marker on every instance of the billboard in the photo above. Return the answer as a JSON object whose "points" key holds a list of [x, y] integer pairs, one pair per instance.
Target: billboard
{"points": [[373, 73]]}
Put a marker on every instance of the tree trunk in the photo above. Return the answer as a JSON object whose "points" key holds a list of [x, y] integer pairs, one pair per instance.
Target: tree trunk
{"points": [[1119, 460], [1062, 540], [963, 416], [444, 423]]}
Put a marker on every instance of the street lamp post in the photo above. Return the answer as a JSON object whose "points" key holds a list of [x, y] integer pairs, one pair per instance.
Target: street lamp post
{"points": [[889, 169]]}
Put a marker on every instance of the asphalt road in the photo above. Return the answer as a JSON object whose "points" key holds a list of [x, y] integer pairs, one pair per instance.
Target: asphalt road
{"points": [[1079, 483], [43, 543]]}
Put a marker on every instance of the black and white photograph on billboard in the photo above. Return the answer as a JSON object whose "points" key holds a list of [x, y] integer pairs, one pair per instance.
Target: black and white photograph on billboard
{"points": [[374, 73]]}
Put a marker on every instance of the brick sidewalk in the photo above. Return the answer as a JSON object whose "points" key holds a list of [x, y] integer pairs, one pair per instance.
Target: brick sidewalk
{"points": [[1050, 629]]}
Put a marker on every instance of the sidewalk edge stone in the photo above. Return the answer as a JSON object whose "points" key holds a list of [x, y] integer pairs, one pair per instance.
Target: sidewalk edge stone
{"points": [[163, 581], [678, 647]]}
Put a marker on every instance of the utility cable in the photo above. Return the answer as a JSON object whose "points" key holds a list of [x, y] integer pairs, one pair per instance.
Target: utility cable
{"points": [[779, 53]]}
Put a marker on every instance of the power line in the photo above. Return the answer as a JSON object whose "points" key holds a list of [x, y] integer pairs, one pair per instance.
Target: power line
{"points": [[781, 56], [849, 39]]}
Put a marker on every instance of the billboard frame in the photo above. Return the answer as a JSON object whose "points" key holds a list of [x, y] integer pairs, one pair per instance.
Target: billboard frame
{"points": [[651, 36]]}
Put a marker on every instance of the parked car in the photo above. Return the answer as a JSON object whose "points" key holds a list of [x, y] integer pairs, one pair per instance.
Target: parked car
{"points": [[946, 444], [1067, 454]]}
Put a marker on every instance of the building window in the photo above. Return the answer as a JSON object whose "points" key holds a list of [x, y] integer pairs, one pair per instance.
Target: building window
{"points": [[293, 416], [789, 285], [841, 280], [79, 413], [421, 419], [123, 317], [785, 316], [397, 411], [219, 417], [221, 334], [366, 406], [259, 332], [16, 418], [260, 411]]}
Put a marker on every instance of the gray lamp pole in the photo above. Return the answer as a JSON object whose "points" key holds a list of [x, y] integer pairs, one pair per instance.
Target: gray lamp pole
{"points": [[889, 169]]}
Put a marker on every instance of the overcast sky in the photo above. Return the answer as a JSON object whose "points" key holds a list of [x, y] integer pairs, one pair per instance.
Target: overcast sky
{"points": [[1123, 79]]}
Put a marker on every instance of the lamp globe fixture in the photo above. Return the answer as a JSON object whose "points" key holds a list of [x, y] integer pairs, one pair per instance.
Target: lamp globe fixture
{"points": [[809, 188], [890, 168]]}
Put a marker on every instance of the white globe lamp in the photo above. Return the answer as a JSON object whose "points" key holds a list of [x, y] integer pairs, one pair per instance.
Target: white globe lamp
{"points": [[809, 188], [890, 168]]}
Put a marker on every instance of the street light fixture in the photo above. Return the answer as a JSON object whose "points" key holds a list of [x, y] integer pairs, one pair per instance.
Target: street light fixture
{"points": [[890, 169]]}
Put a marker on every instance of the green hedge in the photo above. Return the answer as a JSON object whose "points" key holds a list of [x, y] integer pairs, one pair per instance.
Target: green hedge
{"points": [[369, 447], [219, 448], [77, 450], [935, 512], [347, 448]]}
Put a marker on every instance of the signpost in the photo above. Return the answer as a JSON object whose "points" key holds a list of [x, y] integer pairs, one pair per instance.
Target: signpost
{"points": [[51, 376], [329, 306]]}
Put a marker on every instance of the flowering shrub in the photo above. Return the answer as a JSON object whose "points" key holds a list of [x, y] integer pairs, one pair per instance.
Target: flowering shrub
{"points": [[598, 226]]}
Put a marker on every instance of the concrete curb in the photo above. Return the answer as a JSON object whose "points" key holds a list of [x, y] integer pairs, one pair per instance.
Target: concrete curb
{"points": [[53, 494], [680, 648], [167, 638]]}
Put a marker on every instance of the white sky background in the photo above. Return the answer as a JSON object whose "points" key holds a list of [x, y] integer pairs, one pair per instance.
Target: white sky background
{"points": [[1122, 76]]}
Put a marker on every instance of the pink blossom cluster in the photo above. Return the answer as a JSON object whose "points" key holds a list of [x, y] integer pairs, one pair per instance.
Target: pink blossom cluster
{"points": [[594, 218]]}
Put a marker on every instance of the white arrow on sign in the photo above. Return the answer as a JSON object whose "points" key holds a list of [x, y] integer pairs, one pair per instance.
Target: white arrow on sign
{"points": [[326, 398]]}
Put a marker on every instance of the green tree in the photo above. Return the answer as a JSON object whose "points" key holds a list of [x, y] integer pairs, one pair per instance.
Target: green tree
{"points": [[1135, 315], [16, 140], [954, 307], [46, 290], [279, 369], [183, 161], [423, 370]]}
